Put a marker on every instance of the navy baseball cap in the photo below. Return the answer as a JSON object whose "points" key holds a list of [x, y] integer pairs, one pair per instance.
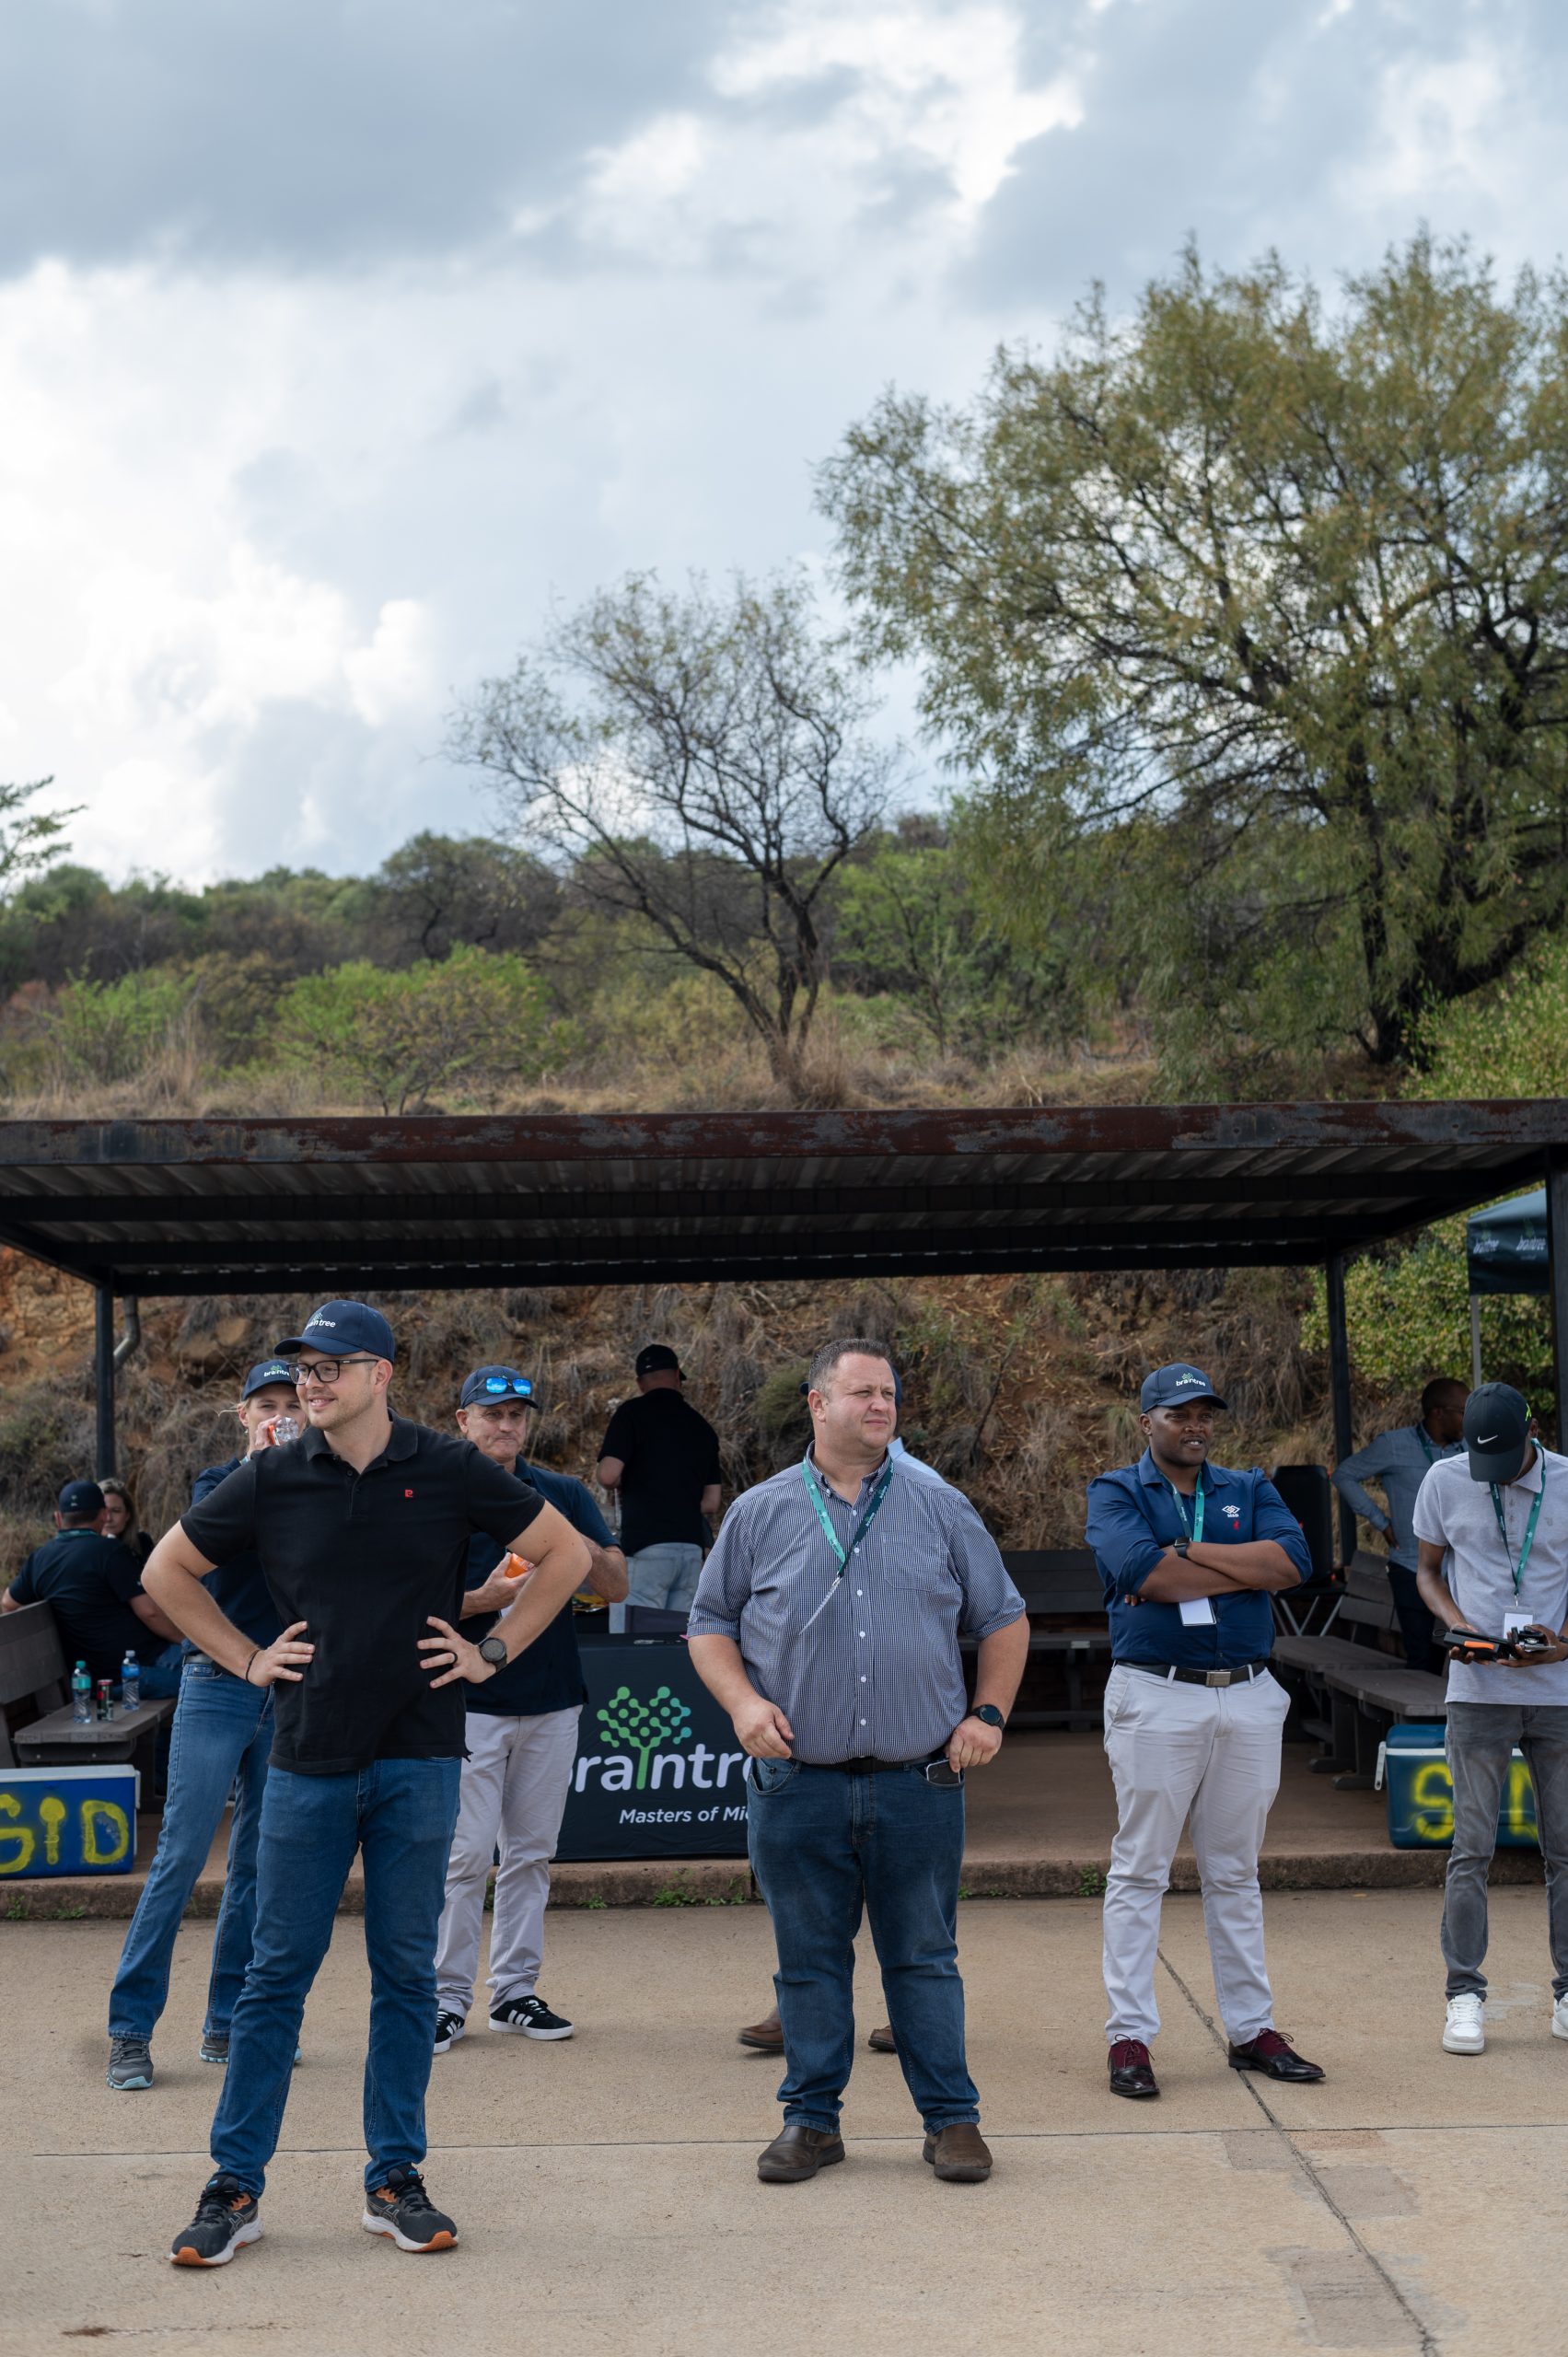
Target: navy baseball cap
{"points": [[267, 1371], [496, 1383], [656, 1358], [1497, 1431], [1169, 1386], [340, 1327], [80, 1497]]}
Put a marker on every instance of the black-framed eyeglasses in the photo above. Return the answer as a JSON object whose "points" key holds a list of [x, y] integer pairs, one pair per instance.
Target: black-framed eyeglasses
{"points": [[327, 1370], [938, 1773], [500, 1386]]}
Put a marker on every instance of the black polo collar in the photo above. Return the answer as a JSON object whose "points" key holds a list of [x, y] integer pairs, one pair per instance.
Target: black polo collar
{"points": [[402, 1442]]}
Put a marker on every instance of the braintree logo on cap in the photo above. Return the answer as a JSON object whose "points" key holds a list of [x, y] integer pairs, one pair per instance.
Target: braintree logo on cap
{"points": [[322, 1321], [1187, 1378]]}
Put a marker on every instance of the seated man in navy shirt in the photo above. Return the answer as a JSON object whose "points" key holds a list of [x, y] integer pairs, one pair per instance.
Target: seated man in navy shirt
{"points": [[93, 1586], [1191, 1553], [522, 1742]]}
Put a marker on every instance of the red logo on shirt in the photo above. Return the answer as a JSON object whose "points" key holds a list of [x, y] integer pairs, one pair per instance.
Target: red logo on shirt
{"points": [[408, 1493]]}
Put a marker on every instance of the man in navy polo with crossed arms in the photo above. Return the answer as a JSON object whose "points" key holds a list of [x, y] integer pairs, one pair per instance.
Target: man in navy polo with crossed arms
{"points": [[1191, 1553]]}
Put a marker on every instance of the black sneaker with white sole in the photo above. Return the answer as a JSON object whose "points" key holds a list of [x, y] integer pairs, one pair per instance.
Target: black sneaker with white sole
{"points": [[532, 2016], [402, 2209], [450, 2027], [226, 2218], [130, 2064], [214, 2047]]}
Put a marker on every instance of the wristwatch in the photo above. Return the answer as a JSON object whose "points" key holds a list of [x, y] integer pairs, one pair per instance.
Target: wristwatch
{"points": [[988, 1714], [1179, 1546], [494, 1651]]}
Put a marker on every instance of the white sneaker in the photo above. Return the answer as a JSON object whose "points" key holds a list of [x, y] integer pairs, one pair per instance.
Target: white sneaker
{"points": [[1464, 2032], [1560, 2016]]}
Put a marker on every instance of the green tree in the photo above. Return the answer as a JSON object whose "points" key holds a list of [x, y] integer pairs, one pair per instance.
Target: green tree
{"points": [[697, 761], [474, 1020], [645, 1727], [30, 840], [1250, 618]]}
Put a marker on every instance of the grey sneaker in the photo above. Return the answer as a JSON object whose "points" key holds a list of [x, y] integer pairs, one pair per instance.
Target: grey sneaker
{"points": [[130, 2063], [214, 2047]]}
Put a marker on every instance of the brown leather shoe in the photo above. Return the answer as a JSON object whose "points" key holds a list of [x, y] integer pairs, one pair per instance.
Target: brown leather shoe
{"points": [[798, 2153], [959, 2153], [767, 2036], [882, 2041]]}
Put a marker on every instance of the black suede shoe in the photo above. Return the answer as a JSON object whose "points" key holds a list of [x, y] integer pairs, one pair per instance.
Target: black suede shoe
{"points": [[1131, 2073], [1270, 2053], [798, 2153]]}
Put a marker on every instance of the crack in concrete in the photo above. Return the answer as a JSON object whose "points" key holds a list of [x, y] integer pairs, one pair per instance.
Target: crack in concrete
{"points": [[1426, 2340]]}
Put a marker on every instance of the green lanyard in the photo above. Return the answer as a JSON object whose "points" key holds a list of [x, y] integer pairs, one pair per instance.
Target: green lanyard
{"points": [[1529, 1527], [1426, 1448], [1194, 1528], [834, 1541]]}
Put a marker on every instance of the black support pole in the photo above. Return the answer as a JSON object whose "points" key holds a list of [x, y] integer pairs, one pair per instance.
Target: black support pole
{"points": [[1339, 1390], [1557, 1277], [103, 1370]]}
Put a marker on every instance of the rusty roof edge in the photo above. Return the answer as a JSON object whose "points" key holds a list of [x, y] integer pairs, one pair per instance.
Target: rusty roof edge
{"points": [[1509, 1124]]}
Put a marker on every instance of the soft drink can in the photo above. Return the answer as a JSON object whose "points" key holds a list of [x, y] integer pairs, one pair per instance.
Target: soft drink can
{"points": [[106, 1698]]}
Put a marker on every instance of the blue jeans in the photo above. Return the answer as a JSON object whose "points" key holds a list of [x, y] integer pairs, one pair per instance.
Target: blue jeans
{"points": [[664, 1576], [222, 1731], [823, 1844], [400, 1813]]}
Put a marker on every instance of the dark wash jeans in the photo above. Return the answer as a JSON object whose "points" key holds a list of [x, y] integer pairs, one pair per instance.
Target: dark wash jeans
{"points": [[1479, 1744], [221, 1737], [824, 1845], [401, 1813]]}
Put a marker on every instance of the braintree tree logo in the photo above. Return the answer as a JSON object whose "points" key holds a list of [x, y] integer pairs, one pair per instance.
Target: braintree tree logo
{"points": [[645, 1727]]}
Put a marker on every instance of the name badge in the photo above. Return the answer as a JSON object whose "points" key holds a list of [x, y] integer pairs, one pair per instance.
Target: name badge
{"points": [[1514, 1620], [1197, 1611]]}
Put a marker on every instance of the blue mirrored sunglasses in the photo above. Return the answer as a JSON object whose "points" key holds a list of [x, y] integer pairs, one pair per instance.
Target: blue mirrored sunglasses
{"points": [[498, 1385]]}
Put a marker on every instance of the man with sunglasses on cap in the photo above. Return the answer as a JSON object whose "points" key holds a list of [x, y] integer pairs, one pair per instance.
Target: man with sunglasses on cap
{"points": [[1493, 1529], [1191, 1553], [828, 1624], [219, 1746], [661, 1459], [522, 1742], [362, 1527]]}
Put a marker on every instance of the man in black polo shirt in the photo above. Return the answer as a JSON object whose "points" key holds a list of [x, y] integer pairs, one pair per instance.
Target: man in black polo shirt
{"points": [[362, 1528], [522, 1738], [662, 1459], [93, 1586]]}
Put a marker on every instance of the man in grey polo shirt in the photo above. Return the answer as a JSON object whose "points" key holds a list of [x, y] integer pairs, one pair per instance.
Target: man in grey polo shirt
{"points": [[827, 1623], [1399, 1462], [1494, 1532]]}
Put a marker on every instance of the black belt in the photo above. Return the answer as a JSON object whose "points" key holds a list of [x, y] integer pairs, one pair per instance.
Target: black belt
{"points": [[868, 1766], [1245, 1670]]}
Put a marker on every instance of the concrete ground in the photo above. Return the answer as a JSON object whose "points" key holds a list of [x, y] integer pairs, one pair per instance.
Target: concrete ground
{"points": [[606, 2190]]}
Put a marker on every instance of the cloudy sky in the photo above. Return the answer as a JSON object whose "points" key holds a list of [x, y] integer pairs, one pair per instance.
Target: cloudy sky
{"points": [[338, 337]]}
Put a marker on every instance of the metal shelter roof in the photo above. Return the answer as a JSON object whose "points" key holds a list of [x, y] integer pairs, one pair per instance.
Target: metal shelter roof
{"points": [[350, 1205]]}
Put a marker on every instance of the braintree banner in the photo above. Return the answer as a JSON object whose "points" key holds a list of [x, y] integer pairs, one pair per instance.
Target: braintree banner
{"points": [[659, 1772]]}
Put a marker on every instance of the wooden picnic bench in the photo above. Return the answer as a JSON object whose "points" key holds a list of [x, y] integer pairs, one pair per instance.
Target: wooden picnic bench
{"points": [[1351, 1691], [37, 1729], [1065, 1603]]}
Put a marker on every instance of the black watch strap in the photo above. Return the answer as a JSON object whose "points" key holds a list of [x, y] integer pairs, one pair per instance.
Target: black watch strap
{"points": [[989, 1714], [494, 1651], [1179, 1547]]}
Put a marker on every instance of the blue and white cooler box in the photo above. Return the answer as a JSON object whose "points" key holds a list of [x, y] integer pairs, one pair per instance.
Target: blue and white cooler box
{"points": [[1420, 1792], [67, 1821]]}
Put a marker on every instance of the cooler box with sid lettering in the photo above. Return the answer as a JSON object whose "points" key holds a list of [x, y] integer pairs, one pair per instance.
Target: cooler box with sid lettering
{"points": [[67, 1821], [1420, 1792]]}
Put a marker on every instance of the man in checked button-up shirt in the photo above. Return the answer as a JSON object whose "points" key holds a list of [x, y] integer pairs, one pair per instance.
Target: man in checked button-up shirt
{"points": [[827, 1623]]}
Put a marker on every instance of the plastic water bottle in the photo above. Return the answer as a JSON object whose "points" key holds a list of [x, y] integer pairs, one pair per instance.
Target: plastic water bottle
{"points": [[129, 1682], [81, 1695]]}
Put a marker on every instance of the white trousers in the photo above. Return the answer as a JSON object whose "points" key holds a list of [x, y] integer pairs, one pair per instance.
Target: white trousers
{"points": [[1212, 1752], [514, 1790]]}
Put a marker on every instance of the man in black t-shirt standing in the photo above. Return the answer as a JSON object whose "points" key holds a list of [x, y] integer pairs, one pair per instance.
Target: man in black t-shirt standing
{"points": [[662, 1459], [362, 1528]]}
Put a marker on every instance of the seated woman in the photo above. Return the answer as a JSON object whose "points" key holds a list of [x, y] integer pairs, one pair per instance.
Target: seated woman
{"points": [[121, 1522]]}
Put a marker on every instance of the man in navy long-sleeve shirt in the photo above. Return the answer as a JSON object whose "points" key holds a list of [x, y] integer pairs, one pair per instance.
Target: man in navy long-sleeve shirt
{"points": [[1190, 1553]]}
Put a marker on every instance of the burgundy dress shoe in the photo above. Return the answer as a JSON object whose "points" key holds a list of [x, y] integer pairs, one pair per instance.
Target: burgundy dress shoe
{"points": [[767, 2035], [882, 2041], [1270, 2053], [959, 2154], [1131, 2073], [798, 2153]]}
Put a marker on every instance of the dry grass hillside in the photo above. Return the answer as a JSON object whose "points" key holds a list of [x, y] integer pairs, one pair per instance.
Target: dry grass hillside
{"points": [[1017, 1388]]}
